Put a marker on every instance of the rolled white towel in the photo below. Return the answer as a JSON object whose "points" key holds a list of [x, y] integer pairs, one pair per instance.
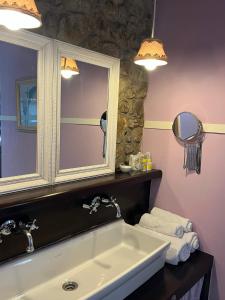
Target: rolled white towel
{"points": [[192, 240], [171, 217], [159, 225], [178, 250]]}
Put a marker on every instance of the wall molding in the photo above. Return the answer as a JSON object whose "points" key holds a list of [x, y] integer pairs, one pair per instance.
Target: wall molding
{"points": [[167, 125], [81, 121], [76, 121]]}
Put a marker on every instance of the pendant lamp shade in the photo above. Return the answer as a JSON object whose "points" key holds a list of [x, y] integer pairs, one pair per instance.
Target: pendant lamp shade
{"points": [[69, 67], [151, 54], [17, 14]]}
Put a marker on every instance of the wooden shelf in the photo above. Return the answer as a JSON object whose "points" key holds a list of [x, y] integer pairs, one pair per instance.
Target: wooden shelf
{"points": [[42, 193], [172, 282]]}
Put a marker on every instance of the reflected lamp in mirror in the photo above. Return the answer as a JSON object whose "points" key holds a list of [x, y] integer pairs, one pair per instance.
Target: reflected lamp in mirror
{"points": [[188, 130], [69, 68], [17, 14]]}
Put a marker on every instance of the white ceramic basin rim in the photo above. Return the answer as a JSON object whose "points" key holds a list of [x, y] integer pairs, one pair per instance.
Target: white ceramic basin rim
{"points": [[106, 263]]}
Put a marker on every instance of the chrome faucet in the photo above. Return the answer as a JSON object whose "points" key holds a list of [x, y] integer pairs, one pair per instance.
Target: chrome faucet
{"points": [[108, 202], [27, 229], [111, 202], [6, 228]]}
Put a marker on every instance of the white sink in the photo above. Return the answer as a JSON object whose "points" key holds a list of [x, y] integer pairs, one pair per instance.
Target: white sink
{"points": [[107, 263]]}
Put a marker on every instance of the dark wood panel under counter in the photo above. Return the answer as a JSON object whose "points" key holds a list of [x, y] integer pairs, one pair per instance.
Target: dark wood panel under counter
{"points": [[59, 212]]}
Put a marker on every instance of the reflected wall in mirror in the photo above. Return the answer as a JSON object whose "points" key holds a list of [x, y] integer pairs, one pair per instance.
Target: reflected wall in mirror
{"points": [[18, 97], [83, 99], [50, 126], [79, 102]]}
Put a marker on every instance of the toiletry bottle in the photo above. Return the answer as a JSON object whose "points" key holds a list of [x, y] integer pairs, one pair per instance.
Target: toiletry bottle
{"points": [[144, 163], [149, 162]]}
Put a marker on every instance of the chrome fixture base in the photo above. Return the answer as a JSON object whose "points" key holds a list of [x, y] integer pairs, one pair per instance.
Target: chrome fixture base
{"points": [[107, 202]]}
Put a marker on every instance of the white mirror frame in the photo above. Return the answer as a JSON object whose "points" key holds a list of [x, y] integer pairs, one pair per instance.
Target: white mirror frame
{"points": [[113, 65], [44, 48], [49, 112]]}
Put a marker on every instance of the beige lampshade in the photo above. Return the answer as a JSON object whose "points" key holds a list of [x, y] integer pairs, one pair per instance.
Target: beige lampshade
{"points": [[69, 67], [151, 54], [16, 14]]}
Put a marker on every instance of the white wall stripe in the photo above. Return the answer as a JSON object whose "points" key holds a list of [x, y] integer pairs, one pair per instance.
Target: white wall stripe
{"points": [[161, 125], [80, 121], [165, 125], [77, 121], [158, 125]]}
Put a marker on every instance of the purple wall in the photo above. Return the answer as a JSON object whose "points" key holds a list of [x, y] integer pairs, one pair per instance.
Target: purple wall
{"points": [[83, 96], [81, 145], [18, 148], [194, 80]]}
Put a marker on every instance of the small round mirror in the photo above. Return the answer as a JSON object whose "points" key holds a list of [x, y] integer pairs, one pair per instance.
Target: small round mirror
{"points": [[187, 127]]}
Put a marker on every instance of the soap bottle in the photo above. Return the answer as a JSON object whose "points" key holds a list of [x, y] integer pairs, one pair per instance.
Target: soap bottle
{"points": [[148, 162]]}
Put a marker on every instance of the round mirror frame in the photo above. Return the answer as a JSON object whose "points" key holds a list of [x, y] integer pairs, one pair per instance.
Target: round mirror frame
{"points": [[194, 137]]}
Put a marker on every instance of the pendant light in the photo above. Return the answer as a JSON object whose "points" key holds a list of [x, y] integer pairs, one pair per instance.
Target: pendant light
{"points": [[151, 53], [69, 67], [17, 14]]}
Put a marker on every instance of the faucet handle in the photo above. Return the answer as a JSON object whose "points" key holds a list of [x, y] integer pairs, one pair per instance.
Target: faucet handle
{"points": [[30, 226], [86, 206], [113, 199], [93, 207], [106, 200], [33, 225], [6, 227]]}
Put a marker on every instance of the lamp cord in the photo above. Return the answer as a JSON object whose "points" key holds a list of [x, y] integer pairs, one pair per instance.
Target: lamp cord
{"points": [[153, 19]]}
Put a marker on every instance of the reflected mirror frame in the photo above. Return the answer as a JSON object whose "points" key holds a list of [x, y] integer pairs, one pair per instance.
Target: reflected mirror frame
{"points": [[113, 66], [44, 48], [192, 138]]}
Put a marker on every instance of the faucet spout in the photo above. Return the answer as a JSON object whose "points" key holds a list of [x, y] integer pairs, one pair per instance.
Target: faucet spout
{"points": [[118, 211], [27, 229], [30, 247]]}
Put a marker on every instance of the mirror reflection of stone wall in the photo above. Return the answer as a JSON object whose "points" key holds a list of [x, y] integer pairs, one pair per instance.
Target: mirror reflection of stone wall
{"points": [[18, 73], [83, 99], [115, 28]]}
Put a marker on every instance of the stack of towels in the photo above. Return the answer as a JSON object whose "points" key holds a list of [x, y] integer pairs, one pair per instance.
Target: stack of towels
{"points": [[173, 228]]}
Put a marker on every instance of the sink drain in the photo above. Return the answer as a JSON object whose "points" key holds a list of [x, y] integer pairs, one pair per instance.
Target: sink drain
{"points": [[70, 286]]}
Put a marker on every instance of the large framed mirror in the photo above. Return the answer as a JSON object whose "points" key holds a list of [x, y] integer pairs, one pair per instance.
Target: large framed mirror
{"points": [[25, 60], [53, 97], [86, 86]]}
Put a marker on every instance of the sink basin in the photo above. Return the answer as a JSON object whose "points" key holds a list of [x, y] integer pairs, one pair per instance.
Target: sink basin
{"points": [[107, 263]]}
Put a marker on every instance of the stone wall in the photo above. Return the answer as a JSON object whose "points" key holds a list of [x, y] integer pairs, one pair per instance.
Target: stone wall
{"points": [[116, 28]]}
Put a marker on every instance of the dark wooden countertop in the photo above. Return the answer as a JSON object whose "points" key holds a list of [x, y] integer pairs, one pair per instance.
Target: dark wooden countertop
{"points": [[172, 282], [37, 194]]}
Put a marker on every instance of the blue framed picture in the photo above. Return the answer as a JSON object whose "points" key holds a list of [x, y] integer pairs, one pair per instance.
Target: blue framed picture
{"points": [[26, 98]]}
